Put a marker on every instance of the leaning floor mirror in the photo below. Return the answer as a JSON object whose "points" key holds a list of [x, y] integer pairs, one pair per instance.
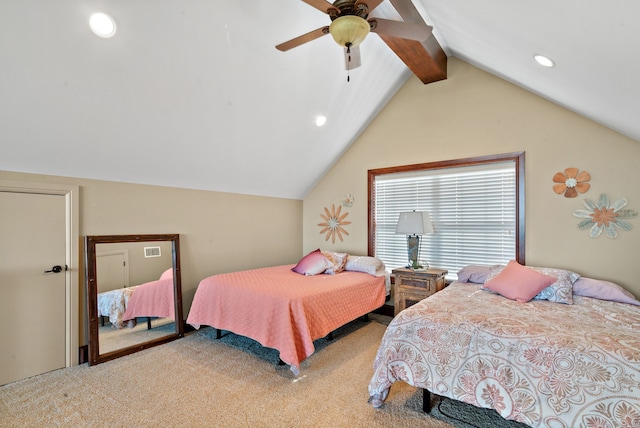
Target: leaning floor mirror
{"points": [[134, 297]]}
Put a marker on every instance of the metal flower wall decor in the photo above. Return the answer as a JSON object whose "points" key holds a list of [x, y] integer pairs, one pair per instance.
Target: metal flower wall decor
{"points": [[333, 224], [604, 216], [571, 182]]}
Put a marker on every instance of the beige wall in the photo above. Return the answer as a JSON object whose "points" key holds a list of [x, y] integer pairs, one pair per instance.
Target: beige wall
{"points": [[141, 269], [473, 113], [219, 232]]}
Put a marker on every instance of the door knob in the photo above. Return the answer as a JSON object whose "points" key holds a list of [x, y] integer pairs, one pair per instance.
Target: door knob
{"points": [[55, 269]]}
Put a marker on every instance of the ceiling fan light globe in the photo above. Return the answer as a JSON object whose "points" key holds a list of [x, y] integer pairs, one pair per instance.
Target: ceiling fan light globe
{"points": [[349, 30]]}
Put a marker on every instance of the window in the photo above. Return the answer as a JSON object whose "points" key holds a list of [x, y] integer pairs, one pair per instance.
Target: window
{"points": [[476, 205]]}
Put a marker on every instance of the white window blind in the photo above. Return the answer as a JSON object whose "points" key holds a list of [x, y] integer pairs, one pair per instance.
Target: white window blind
{"points": [[473, 210]]}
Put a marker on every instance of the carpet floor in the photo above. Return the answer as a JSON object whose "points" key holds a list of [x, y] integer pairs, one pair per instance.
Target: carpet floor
{"points": [[199, 381]]}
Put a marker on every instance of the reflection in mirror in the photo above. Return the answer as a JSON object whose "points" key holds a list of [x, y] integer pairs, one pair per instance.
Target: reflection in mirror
{"points": [[133, 293]]}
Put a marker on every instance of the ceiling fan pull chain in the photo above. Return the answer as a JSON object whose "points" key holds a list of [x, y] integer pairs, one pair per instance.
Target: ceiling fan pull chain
{"points": [[348, 60]]}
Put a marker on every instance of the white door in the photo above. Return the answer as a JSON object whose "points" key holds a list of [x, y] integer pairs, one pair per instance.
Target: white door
{"points": [[33, 312], [113, 270]]}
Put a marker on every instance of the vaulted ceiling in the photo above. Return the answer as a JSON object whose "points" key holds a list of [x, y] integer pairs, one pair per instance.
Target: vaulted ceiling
{"points": [[194, 94]]}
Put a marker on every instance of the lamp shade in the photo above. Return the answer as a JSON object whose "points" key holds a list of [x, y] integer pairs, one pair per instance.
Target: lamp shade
{"points": [[349, 30], [414, 223]]}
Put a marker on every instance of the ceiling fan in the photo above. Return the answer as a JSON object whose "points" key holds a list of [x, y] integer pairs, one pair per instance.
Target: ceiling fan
{"points": [[350, 24]]}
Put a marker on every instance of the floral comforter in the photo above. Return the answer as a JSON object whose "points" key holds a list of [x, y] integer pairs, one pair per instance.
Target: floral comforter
{"points": [[540, 363], [113, 304]]}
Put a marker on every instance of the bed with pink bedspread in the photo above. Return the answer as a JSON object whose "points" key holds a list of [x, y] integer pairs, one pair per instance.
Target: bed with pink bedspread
{"points": [[151, 299], [541, 363], [285, 310]]}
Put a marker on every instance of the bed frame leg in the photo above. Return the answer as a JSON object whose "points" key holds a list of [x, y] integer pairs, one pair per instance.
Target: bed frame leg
{"points": [[330, 336], [149, 323], [426, 401], [218, 333], [365, 318]]}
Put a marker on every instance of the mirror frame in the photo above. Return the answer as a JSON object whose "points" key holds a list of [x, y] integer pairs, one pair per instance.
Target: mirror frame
{"points": [[91, 289]]}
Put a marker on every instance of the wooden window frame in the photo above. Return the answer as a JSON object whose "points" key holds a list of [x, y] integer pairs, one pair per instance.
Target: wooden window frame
{"points": [[517, 157]]}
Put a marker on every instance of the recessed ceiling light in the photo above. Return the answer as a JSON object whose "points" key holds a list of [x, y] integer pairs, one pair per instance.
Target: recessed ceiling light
{"points": [[321, 120], [102, 24], [543, 60]]}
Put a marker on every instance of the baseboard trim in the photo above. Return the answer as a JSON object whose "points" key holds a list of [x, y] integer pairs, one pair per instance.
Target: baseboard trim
{"points": [[83, 354]]}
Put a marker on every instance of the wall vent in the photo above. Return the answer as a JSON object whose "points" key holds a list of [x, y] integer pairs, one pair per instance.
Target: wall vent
{"points": [[152, 252]]}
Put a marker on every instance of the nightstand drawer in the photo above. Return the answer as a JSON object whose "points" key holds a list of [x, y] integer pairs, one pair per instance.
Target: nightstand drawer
{"points": [[426, 283]]}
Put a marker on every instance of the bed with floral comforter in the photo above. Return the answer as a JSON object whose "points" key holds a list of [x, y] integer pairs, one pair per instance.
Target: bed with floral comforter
{"points": [[541, 363]]}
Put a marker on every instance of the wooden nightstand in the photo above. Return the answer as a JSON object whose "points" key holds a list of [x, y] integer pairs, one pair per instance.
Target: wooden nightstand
{"points": [[411, 286]]}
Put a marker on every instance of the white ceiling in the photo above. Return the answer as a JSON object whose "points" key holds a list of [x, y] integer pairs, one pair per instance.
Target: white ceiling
{"points": [[193, 93]]}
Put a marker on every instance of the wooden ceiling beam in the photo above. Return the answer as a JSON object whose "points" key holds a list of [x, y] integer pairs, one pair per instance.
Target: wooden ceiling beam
{"points": [[425, 59]]}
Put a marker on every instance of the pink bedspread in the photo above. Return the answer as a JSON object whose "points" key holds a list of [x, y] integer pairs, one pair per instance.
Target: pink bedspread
{"points": [[282, 309], [151, 299], [541, 363]]}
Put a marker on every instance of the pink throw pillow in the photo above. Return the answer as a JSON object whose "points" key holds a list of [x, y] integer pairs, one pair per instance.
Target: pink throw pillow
{"points": [[519, 283], [312, 264]]}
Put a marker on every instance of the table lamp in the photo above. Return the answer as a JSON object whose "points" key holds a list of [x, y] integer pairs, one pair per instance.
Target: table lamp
{"points": [[414, 224]]}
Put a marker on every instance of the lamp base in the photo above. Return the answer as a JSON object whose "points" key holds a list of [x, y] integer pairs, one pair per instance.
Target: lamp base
{"points": [[413, 253], [422, 265], [413, 249]]}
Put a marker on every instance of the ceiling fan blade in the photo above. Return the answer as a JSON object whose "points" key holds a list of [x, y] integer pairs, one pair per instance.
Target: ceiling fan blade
{"points": [[371, 4], [352, 58], [322, 5], [311, 35], [404, 30]]}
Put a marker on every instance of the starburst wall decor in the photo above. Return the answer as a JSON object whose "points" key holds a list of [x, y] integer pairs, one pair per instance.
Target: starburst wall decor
{"points": [[602, 216], [333, 224]]}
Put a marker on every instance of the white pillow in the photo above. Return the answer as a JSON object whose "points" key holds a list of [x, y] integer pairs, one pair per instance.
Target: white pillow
{"points": [[371, 265]]}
